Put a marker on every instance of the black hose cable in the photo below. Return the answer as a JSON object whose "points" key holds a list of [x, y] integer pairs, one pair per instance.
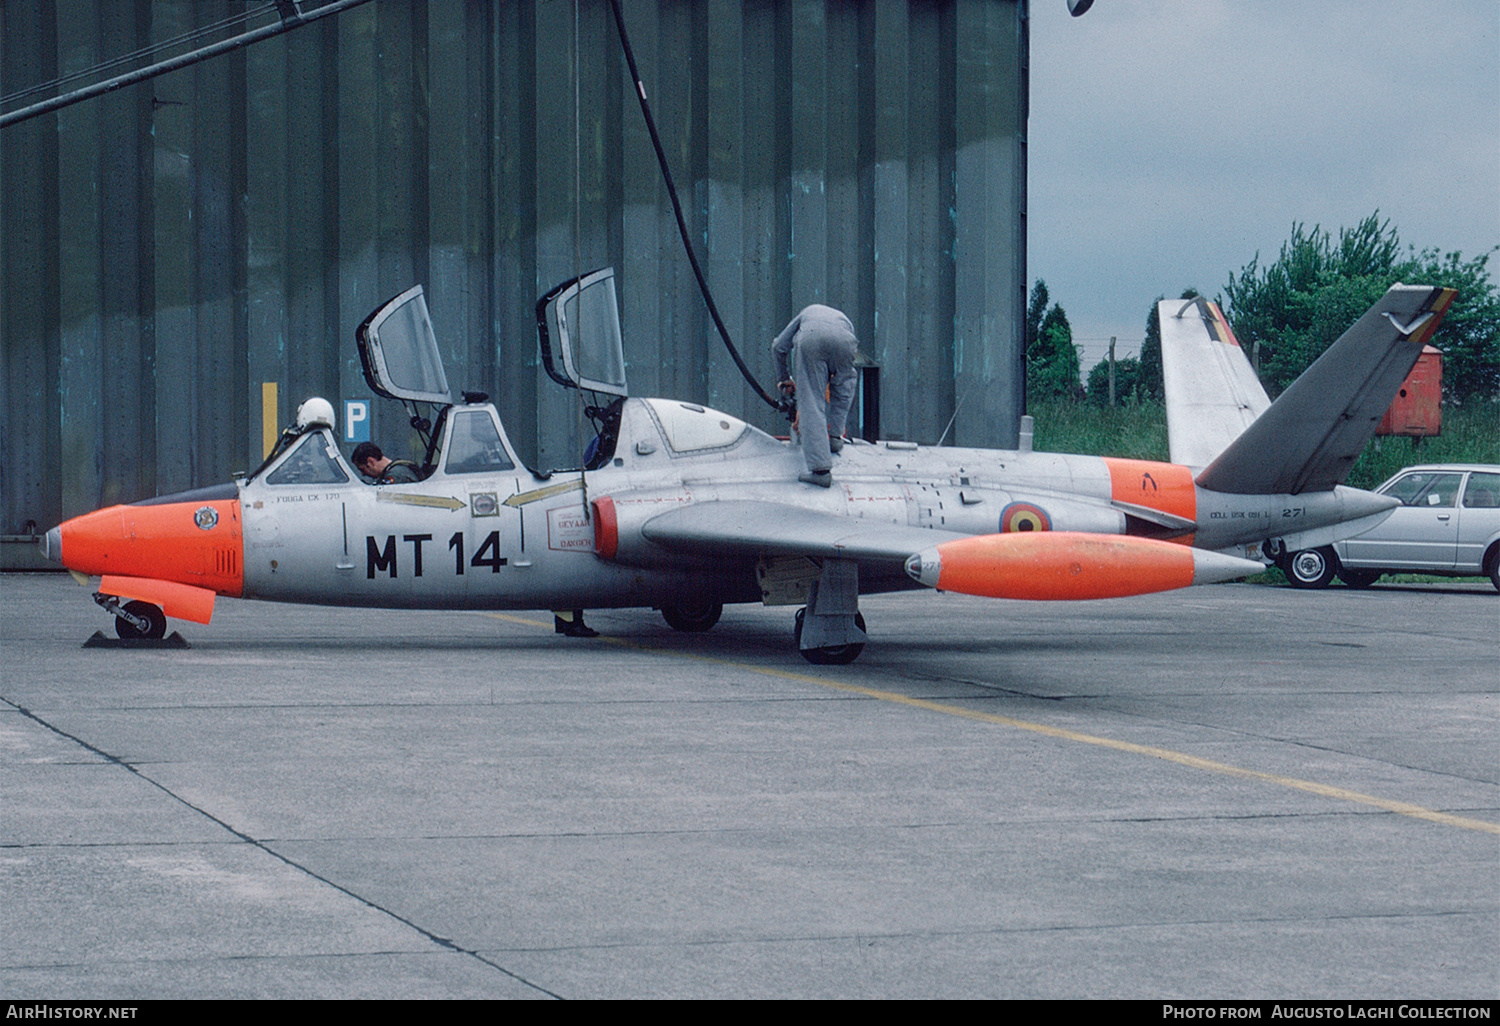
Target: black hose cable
{"points": [[687, 242]]}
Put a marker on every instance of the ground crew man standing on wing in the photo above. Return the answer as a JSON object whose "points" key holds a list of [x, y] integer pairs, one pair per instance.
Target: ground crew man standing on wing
{"points": [[825, 349]]}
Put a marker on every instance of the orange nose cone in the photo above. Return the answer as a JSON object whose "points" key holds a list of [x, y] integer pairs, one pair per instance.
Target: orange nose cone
{"points": [[1060, 565], [194, 542]]}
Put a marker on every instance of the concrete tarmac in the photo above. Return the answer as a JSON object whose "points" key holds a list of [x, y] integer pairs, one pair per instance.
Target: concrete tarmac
{"points": [[1228, 792]]}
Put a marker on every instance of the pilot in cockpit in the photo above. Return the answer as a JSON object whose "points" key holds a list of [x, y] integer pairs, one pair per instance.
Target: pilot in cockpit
{"points": [[379, 467]]}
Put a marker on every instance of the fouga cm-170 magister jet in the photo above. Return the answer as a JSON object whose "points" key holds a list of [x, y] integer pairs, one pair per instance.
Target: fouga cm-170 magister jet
{"points": [[684, 509]]}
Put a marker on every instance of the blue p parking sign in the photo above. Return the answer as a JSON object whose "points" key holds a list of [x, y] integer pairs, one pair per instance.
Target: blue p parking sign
{"points": [[356, 420]]}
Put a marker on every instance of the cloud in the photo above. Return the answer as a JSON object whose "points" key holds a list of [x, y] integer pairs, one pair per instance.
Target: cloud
{"points": [[1169, 143]]}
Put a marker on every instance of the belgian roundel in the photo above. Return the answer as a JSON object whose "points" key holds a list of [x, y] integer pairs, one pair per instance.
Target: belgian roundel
{"points": [[1023, 516]]}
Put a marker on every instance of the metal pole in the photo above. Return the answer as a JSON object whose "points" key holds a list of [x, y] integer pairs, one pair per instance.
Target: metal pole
{"points": [[1111, 370]]}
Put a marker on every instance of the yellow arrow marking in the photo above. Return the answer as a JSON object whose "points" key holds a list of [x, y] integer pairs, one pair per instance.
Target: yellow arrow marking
{"points": [[522, 498], [434, 501], [1166, 754]]}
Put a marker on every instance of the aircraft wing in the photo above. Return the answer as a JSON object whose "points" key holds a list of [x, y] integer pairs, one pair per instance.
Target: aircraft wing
{"points": [[1036, 565], [1212, 393], [775, 529]]}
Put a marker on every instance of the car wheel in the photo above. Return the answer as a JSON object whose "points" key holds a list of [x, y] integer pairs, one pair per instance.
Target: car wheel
{"points": [[1495, 569], [1311, 568], [1358, 578], [156, 622]]}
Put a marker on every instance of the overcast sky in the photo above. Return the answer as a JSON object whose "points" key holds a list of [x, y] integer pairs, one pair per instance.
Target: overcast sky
{"points": [[1172, 141]]}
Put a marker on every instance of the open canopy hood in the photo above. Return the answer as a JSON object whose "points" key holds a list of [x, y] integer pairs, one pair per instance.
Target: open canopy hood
{"points": [[578, 323], [399, 352]]}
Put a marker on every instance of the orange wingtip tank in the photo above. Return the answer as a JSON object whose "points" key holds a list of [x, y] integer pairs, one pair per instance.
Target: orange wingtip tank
{"points": [[1065, 565]]}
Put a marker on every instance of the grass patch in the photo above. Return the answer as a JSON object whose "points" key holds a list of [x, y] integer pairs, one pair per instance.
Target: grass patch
{"points": [[1137, 431], [1471, 434]]}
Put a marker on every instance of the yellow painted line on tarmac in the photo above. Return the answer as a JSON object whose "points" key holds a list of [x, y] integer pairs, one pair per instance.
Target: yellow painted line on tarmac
{"points": [[522, 620], [1063, 734]]}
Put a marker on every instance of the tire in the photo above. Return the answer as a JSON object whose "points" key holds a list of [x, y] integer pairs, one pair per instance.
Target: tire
{"points": [[833, 655], [693, 617], [1311, 568], [1495, 569], [1353, 578], [156, 622]]}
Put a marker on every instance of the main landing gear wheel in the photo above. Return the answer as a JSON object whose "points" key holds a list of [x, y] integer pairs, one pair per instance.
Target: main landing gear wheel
{"points": [[833, 655], [692, 616], [1311, 568], [156, 622]]}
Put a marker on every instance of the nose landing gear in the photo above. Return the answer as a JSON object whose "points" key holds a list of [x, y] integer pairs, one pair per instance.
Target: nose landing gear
{"points": [[135, 620], [136, 623]]}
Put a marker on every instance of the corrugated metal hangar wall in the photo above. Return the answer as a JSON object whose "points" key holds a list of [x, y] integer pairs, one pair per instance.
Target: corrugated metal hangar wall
{"points": [[171, 246]]}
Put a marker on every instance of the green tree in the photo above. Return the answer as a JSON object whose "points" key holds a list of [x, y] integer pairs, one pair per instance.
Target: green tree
{"points": [[1291, 310], [1128, 383], [1051, 361], [1470, 333], [1036, 309], [1151, 377]]}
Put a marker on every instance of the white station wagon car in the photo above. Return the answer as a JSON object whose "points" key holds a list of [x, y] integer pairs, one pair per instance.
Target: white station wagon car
{"points": [[1448, 524]]}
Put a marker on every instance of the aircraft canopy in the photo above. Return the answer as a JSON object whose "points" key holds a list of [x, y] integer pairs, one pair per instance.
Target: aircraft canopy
{"points": [[580, 334], [399, 351]]}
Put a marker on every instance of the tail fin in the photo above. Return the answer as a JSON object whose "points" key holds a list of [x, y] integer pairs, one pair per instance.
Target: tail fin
{"points": [[1307, 440], [1212, 392]]}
